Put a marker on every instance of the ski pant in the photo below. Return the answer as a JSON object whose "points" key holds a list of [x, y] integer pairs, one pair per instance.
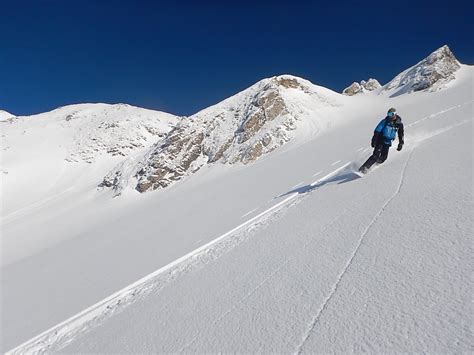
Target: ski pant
{"points": [[379, 155]]}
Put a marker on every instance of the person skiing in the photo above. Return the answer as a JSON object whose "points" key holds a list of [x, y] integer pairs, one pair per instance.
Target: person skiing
{"points": [[384, 134]]}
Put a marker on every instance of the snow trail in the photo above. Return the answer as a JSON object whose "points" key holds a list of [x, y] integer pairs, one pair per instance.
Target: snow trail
{"points": [[249, 212], [70, 328], [298, 184], [263, 282], [322, 308], [67, 330], [436, 114]]}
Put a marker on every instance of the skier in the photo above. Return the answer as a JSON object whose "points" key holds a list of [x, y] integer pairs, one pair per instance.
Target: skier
{"points": [[384, 134]]}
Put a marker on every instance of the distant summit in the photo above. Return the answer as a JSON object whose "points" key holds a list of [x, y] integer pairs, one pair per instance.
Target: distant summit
{"points": [[147, 150], [363, 86], [430, 74]]}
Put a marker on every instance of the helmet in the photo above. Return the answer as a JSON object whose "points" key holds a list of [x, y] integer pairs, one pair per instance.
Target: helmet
{"points": [[391, 112]]}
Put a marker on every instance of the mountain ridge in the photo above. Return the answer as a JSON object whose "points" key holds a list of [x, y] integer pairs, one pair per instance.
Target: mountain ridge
{"points": [[239, 129], [259, 120]]}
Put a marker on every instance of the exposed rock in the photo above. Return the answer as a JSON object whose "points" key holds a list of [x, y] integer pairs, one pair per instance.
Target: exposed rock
{"points": [[288, 82], [371, 84], [238, 130], [253, 153], [353, 89], [364, 86]]}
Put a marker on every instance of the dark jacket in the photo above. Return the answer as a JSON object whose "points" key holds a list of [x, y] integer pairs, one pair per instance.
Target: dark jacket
{"points": [[386, 131]]}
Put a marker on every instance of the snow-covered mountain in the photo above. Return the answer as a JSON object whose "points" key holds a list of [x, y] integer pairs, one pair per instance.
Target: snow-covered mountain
{"points": [[102, 129], [431, 74], [257, 121], [264, 246], [363, 86], [239, 129], [71, 142]]}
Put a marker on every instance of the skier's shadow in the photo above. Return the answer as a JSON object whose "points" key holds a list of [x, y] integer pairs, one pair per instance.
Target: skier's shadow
{"points": [[341, 178]]}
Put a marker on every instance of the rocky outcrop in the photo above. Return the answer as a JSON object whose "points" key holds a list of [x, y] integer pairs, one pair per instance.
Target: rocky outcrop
{"points": [[430, 74], [363, 86], [238, 130], [371, 84], [353, 89]]}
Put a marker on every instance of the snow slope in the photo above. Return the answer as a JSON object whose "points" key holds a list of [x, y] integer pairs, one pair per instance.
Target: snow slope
{"points": [[45, 156], [290, 253], [339, 270], [240, 129]]}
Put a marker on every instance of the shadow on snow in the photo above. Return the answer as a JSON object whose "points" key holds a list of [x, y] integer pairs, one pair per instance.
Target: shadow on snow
{"points": [[341, 178]]}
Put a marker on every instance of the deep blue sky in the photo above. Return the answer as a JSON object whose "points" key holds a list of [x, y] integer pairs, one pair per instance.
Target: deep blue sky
{"points": [[180, 56]]}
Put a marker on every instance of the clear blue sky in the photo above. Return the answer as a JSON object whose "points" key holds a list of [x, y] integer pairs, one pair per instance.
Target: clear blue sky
{"points": [[182, 56]]}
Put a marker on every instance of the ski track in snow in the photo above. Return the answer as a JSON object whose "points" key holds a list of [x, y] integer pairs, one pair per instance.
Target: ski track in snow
{"points": [[41, 203], [323, 307], [298, 184], [238, 303], [436, 114], [62, 334], [249, 212], [65, 332], [334, 289], [262, 283]]}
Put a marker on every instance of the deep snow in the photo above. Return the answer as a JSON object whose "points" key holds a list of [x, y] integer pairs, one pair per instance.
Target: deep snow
{"points": [[327, 277], [379, 263]]}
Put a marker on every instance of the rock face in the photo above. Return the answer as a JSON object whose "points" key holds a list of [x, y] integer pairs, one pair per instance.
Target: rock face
{"points": [[238, 130], [371, 84], [363, 86], [430, 74]]}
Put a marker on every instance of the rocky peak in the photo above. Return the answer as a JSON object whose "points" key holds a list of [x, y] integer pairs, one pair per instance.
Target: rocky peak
{"points": [[240, 129], [371, 84], [430, 74], [363, 86]]}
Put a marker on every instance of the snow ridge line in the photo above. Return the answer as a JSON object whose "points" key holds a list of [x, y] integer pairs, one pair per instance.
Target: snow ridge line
{"points": [[64, 332], [335, 287]]}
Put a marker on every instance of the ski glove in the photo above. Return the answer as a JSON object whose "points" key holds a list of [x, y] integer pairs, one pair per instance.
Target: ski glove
{"points": [[372, 144], [400, 146]]}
